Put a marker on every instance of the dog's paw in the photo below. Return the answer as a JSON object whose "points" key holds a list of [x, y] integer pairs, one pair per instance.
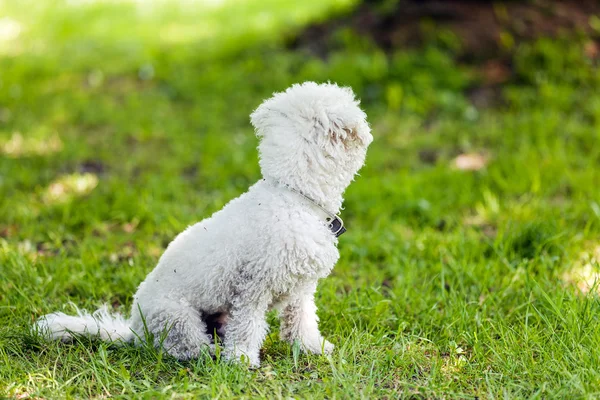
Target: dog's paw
{"points": [[328, 347], [321, 347]]}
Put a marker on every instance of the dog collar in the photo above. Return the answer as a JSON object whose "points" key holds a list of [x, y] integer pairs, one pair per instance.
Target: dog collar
{"points": [[335, 223]]}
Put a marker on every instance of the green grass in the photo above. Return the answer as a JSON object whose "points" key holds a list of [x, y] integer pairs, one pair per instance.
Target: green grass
{"points": [[121, 123]]}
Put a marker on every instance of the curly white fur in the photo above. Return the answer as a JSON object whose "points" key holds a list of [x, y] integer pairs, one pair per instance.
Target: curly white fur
{"points": [[265, 249]]}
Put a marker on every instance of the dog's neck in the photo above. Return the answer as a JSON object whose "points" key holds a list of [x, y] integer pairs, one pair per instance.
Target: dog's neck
{"points": [[327, 197], [333, 221]]}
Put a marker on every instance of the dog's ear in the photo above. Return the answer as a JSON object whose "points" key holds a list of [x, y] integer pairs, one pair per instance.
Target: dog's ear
{"points": [[267, 116], [259, 119], [351, 134], [347, 135]]}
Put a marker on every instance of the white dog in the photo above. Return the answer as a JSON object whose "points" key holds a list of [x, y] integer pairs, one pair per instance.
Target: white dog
{"points": [[265, 249]]}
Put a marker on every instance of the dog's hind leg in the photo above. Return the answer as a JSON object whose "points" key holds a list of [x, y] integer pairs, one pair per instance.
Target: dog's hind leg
{"points": [[177, 328]]}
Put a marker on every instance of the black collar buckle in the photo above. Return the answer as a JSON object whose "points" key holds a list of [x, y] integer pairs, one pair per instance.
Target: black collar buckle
{"points": [[336, 226]]}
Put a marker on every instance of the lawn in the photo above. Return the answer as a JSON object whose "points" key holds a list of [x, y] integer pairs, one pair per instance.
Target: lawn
{"points": [[473, 246]]}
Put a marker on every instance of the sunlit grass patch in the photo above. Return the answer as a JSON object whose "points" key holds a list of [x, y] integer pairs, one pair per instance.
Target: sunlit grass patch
{"points": [[19, 145], [67, 187], [207, 25], [585, 272], [10, 29]]}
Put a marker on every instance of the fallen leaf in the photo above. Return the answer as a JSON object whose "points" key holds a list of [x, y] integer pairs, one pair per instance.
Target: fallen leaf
{"points": [[470, 162], [131, 226], [592, 49], [68, 186], [8, 231]]}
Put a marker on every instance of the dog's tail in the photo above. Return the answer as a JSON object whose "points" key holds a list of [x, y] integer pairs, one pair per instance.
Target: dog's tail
{"points": [[101, 323]]}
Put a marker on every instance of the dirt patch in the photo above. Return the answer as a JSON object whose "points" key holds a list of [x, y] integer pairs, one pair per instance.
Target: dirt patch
{"points": [[484, 34], [91, 166], [483, 27]]}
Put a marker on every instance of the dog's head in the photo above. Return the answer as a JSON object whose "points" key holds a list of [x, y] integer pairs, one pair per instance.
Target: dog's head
{"points": [[312, 133]]}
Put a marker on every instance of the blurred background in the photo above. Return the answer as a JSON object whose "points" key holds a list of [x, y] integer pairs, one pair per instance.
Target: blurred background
{"points": [[135, 113], [123, 121]]}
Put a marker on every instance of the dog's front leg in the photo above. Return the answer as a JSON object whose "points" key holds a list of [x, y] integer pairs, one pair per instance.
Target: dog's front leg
{"points": [[245, 332], [299, 321]]}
